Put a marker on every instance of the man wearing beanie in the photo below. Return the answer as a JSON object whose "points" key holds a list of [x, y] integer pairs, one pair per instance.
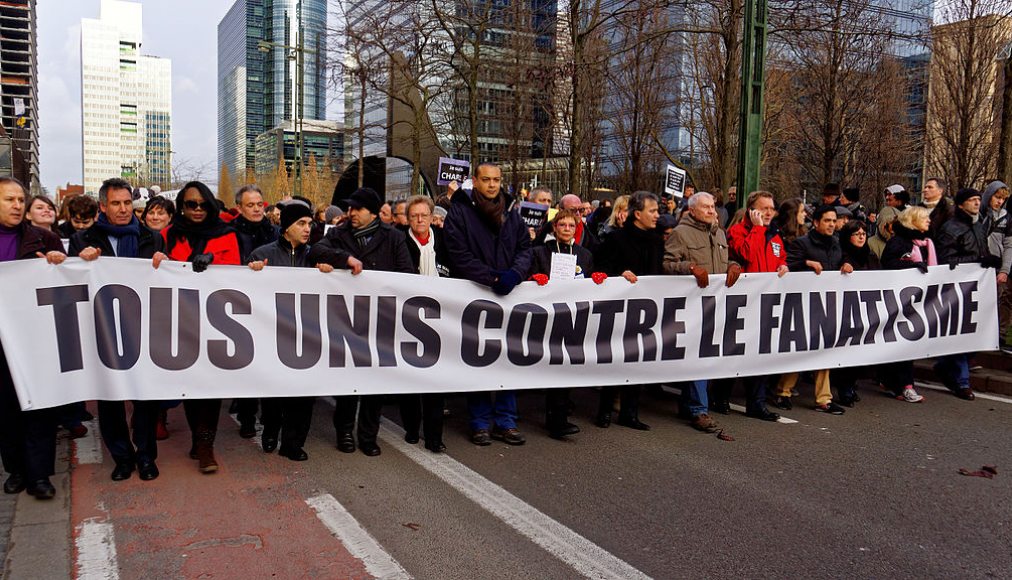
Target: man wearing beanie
{"points": [[289, 417], [488, 243], [963, 240], [380, 247]]}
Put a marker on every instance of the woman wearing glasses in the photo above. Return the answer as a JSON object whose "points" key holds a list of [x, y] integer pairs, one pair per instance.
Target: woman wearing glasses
{"points": [[198, 235]]}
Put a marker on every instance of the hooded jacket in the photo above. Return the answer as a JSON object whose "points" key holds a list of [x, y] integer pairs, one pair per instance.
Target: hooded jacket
{"points": [[998, 225], [478, 253], [695, 242]]}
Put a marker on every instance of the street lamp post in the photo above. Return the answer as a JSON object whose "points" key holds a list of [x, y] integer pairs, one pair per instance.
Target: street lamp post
{"points": [[298, 54]]}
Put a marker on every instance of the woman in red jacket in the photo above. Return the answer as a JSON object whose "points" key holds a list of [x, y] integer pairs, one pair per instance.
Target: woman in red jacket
{"points": [[199, 236]]}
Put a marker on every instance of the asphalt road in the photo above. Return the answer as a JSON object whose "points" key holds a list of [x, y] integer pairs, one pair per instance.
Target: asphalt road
{"points": [[873, 493]]}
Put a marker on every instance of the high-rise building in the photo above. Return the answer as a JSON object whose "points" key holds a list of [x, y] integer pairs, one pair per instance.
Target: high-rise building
{"points": [[126, 100], [19, 82], [257, 88]]}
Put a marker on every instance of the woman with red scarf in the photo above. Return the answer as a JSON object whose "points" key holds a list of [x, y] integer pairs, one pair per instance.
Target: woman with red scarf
{"points": [[198, 235]]}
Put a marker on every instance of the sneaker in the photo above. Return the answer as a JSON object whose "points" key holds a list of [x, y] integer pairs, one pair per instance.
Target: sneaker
{"points": [[481, 438], [509, 436], [831, 408], [783, 403], [911, 396], [705, 424]]}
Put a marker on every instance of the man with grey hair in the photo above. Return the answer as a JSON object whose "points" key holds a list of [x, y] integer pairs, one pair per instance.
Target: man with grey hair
{"points": [[698, 247], [541, 195]]}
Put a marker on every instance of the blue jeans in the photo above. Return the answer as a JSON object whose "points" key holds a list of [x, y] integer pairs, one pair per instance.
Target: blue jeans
{"points": [[954, 370], [695, 397], [484, 415]]}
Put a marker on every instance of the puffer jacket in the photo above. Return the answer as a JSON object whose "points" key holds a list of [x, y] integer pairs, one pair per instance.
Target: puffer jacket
{"points": [[695, 242], [998, 225]]}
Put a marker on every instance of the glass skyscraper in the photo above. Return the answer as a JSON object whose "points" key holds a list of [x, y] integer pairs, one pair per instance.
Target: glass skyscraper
{"points": [[257, 90]]}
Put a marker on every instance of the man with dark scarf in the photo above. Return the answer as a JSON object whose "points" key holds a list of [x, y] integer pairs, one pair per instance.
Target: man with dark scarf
{"points": [[488, 243], [362, 242], [199, 236], [254, 231], [118, 234]]}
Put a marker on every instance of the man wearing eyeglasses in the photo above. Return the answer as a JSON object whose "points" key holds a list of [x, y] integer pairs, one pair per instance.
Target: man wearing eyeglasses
{"points": [[119, 234]]}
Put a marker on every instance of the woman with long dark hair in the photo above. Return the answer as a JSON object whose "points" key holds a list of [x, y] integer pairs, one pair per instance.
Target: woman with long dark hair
{"points": [[198, 235], [791, 220]]}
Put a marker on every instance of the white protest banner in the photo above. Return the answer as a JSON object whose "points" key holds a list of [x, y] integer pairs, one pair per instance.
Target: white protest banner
{"points": [[452, 170], [117, 329], [674, 181]]}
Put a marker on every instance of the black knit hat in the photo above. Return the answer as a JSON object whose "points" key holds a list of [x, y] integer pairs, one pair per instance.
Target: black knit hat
{"points": [[366, 197], [964, 194], [292, 212]]}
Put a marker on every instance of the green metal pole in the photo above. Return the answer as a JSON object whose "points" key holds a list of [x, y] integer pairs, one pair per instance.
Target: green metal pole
{"points": [[753, 76], [300, 59]]}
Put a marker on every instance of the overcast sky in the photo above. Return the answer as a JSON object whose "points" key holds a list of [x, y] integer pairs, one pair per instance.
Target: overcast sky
{"points": [[184, 31]]}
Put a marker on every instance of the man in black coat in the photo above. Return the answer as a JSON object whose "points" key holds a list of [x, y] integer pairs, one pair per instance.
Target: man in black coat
{"points": [[963, 240], [379, 246], [488, 243], [290, 417], [27, 438], [118, 234], [933, 197]]}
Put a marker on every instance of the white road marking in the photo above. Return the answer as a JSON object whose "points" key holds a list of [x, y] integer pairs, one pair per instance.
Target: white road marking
{"points": [[581, 554], [88, 449], [355, 538], [937, 387], [96, 551], [739, 408]]}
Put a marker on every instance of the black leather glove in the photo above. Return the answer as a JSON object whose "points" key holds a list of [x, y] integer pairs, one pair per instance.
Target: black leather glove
{"points": [[990, 261], [953, 264], [201, 262], [922, 266]]}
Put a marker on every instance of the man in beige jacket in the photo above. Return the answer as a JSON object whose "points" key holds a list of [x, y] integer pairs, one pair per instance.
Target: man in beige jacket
{"points": [[698, 246]]}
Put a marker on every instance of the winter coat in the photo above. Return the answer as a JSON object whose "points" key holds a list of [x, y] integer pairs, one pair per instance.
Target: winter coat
{"points": [[225, 249], [816, 247], [940, 214], [695, 242], [442, 257], [961, 240], [386, 251], [281, 253], [896, 255], [757, 248], [478, 253], [542, 257], [998, 226], [631, 248], [32, 239], [148, 242], [252, 235]]}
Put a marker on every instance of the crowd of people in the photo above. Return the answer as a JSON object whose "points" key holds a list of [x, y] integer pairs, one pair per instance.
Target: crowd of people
{"points": [[478, 234]]}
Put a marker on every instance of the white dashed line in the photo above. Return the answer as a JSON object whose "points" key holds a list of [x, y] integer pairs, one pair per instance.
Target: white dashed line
{"points": [[96, 551], [88, 449], [584, 556], [355, 538]]}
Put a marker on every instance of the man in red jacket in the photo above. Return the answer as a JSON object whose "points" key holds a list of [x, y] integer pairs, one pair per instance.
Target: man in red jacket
{"points": [[757, 246]]}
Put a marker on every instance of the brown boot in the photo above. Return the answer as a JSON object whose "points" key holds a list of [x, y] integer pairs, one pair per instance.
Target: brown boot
{"points": [[204, 448]]}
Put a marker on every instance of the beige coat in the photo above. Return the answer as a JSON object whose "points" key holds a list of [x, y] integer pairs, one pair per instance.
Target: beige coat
{"points": [[694, 242]]}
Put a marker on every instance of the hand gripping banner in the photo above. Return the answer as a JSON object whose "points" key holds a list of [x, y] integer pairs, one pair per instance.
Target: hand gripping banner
{"points": [[116, 329]]}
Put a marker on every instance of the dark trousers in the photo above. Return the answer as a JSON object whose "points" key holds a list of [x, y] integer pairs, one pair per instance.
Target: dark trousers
{"points": [[368, 407], [112, 423], [556, 408], [845, 381], [202, 415], [630, 401], [27, 438], [897, 376], [424, 410], [248, 410], [289, 416], [755, 392]]}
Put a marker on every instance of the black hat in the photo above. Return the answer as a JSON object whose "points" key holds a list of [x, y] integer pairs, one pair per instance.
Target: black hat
{"points": [[366, 197], [964, 194], [292, 212]]}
